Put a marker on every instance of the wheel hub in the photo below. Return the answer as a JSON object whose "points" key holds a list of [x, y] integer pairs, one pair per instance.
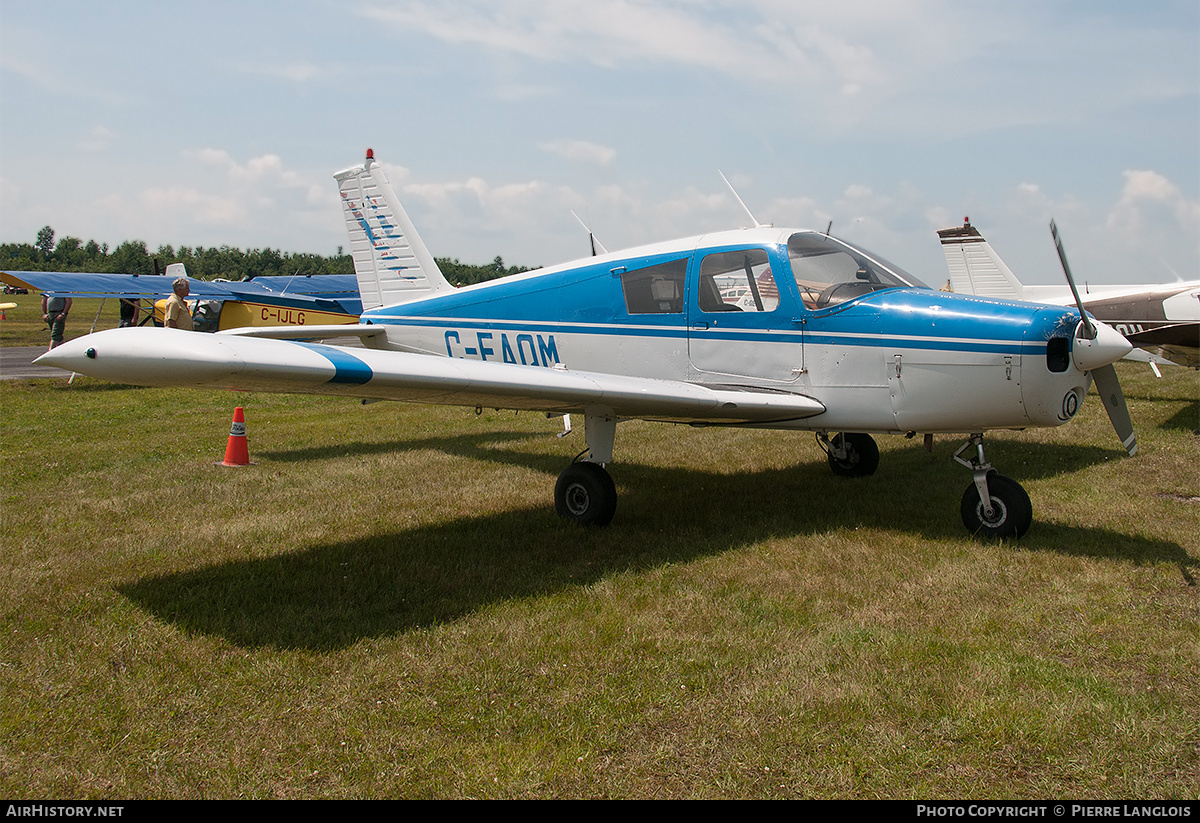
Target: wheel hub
{"points": [[999, 512], [577, 499]]}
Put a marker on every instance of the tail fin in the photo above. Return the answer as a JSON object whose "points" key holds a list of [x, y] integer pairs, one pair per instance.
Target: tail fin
{"points": [[974, 267], [391, 263]]}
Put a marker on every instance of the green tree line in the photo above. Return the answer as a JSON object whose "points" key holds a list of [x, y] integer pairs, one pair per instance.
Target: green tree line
{"points": [[70, 254]]}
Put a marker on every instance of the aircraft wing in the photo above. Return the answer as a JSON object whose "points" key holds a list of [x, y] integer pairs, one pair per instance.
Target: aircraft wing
{"points": [[169, 357], [333, 286], [91, 284], [330, 293], [314, 332]]}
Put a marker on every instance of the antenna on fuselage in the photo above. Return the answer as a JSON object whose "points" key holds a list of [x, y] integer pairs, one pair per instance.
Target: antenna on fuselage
{"points": [[754, 220], [596, 244]]}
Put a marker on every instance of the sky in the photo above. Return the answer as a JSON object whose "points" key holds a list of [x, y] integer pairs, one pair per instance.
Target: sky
{"points": [[222, 124]]}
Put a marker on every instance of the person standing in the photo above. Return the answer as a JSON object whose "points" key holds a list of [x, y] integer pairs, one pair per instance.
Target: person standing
{"points": [[175, 312], [54, 312], [131, 309]]}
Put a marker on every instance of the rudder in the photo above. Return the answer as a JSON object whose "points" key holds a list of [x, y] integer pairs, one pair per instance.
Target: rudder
{"points": [[390, 260]]}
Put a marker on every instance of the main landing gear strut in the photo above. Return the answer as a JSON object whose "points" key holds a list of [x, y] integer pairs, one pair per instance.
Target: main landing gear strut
{"points": [[993, 505]]}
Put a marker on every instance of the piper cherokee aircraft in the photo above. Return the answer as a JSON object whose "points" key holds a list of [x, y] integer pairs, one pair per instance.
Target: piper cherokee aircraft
{"points": [[264, 301], [1162, 319], [844, 344]]}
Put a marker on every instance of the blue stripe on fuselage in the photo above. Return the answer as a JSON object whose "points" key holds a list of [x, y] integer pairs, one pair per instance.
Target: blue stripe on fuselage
{"points": [[980, 334], [347, 368]]}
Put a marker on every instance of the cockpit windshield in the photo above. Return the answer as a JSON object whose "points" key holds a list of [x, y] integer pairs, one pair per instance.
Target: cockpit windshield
{"points": [[831, 271]]}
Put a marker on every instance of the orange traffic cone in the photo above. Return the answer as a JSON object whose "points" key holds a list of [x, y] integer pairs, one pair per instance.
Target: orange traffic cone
{"points": [[237, 453]]}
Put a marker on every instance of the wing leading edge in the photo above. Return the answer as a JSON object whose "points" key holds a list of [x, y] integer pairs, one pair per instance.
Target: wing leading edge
{"points": [[168, 357]]}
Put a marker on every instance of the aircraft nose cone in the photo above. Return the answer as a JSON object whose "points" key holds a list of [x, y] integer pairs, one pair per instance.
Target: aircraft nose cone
{"points": [[1108, 346]]}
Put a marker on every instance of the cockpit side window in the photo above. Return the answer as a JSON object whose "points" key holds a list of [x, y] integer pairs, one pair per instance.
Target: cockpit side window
{"points": [[737, 281], [829, 271], [655, 289]]}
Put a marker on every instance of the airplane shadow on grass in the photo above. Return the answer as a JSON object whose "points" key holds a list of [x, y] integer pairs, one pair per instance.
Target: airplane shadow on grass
{"points": [[1186, 419], [325, 597]]}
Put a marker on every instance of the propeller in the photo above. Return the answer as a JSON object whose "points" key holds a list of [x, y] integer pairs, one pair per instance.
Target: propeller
{"points": [[1094, 345]]}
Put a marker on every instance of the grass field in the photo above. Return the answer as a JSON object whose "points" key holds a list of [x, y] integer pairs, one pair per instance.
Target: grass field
{"points": [[23, 326], [385, 605]]}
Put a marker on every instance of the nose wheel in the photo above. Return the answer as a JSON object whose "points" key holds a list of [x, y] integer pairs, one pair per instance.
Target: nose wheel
{"points": [[1008, 515], [993, 505]]}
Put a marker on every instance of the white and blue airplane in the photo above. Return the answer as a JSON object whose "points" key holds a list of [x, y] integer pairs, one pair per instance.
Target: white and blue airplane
{"points": [[822, 336]]}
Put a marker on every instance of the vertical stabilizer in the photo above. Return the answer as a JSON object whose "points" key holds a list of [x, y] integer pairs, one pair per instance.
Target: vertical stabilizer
{"points": [[391, 263], [974, 267]]}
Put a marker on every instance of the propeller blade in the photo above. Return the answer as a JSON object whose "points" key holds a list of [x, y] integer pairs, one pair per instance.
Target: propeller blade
{"points": [[1109, 390], [1108, 387], [1062, 257]]}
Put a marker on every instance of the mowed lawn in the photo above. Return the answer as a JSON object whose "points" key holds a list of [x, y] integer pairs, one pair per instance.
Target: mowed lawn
{"points": [[23, 325], [385, 605]]}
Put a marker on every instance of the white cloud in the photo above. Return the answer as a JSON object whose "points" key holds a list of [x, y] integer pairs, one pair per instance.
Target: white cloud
{"points": [[263, 176], [96, 140], [765, 41], [24, 57], [1148, 195], [209, 209], [580, 151], [299, 72]]}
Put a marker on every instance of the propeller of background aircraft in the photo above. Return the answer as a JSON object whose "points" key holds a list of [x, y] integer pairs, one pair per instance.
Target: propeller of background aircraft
{"points": [[1108, 387]]}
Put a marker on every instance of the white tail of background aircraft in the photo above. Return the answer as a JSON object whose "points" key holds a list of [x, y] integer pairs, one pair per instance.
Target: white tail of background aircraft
{"points": [[975, 268], [391, 263]]}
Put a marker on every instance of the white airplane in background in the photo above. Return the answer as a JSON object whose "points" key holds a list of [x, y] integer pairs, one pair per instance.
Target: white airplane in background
{"points": [[845, 344], [1162, 320]]}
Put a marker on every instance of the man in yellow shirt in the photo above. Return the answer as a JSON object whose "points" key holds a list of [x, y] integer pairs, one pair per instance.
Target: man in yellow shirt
{"points": [[175, 312]]}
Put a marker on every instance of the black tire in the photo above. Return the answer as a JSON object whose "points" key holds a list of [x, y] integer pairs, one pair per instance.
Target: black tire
{"points": [[1012, 511], [586, 494], [862, 455]]}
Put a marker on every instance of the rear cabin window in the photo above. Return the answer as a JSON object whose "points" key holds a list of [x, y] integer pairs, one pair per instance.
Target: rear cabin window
{"points": [[655, 289]]}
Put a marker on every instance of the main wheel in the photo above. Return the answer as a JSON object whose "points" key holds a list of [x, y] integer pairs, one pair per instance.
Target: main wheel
{"points": [[585, 493], [862, 455], [1012, 512]]}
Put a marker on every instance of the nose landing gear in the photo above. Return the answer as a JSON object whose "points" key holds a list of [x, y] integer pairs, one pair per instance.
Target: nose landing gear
{"points": [[993, 505]]}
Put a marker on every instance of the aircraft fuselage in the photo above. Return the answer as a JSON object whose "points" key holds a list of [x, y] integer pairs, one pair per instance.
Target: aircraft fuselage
{"points": [[893, 357]]}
